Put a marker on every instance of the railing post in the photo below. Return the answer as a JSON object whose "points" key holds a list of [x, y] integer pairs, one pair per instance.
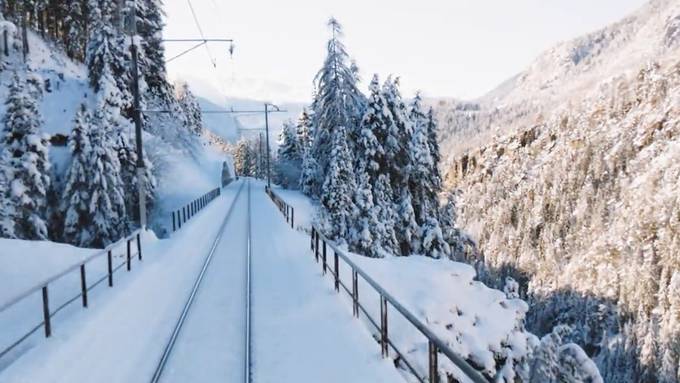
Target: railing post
{"points": [[110, 264], [173, 221], [337, 271], [324, 257], [316, 248], [139, 245], [383, 327], [46, 312], [83, 284], [6, 41], [292, 217], [311, 242], [433, 363], [355, 293], [128, 255], [184, 214]]}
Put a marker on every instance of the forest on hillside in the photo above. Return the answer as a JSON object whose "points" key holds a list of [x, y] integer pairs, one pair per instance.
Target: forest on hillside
{"points": [[95, 202], [583, 211], [371, 162]]}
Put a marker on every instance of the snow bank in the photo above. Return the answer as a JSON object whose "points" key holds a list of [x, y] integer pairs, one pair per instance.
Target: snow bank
{"points": [[479, 323]]}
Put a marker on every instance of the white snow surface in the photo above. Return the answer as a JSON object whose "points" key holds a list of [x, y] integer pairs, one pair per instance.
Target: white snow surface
{"points": [[474, 320], [299, 325]]}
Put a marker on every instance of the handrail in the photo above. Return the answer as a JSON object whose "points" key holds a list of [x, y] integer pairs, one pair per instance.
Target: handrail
{"points": [[184, 213], [441, 345], [75, 266], [436, 344]]}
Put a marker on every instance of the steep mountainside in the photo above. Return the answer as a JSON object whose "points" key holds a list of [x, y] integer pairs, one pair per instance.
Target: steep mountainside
{"points": [[563, 75], [576, 195]]}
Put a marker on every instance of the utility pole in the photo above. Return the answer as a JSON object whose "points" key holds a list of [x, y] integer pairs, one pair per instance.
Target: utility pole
{"points": [[259, 152], [136, 112], [137, 115]]}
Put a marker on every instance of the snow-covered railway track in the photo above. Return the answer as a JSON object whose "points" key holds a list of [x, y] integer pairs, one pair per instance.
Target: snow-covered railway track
{"points": [[204, 344]]}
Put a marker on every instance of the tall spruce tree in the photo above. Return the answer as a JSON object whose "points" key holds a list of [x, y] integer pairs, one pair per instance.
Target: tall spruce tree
{"points": [[191, 109], [364, 237], [289, 156], [26, 161], [127, 157], [370, 166], [107, 55], [75, 204], [338, 104], [149, 17], [304, 130], [399, 167], [338, 190], [107, 203], [6, 208], [432, 132], [424, 185], [75, 25]]}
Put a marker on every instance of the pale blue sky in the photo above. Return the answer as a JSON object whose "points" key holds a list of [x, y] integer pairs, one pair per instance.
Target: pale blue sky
{"points": [[454, 48]]}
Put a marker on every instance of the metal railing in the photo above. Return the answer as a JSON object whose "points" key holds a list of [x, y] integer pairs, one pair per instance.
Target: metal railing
{"points": [[287, 210], [319, 245], [186, 212], [47, 313]]}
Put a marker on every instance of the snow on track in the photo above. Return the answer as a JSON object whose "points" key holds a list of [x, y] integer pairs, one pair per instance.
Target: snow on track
{"points": [[210, 346], [120, 337], [302, 330]]}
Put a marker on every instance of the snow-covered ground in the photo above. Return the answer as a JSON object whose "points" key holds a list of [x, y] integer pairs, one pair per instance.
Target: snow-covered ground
{"points": [[121, 335], [303, 206], [477, 322], [301, 331], [298, 325]]}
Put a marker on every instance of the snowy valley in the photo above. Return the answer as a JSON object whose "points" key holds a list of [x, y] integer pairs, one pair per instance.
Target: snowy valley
{"points": [[368, 235]]}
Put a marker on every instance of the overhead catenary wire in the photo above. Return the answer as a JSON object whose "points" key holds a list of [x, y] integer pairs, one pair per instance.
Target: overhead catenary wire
{"points": [[200, 32]]}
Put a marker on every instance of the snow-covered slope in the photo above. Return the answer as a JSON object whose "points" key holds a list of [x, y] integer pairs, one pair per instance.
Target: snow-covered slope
{"points": [[185, 167], [568, 178], [563, 75]]}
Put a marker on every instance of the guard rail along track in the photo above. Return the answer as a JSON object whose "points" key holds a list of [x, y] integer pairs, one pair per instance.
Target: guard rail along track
{"points": [[43, 286], [320, 244]]}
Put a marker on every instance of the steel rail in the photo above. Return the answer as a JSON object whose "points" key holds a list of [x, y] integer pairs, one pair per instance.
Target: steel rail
{"points": [[194, 290]]}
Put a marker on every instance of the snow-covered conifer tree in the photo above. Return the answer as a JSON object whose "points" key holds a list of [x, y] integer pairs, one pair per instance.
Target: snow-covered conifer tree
{"points": [[127, 157], [107, 202], [363, 239], [399, 168], [244, 161], [289, 156], [433, 141], [6, 208], [424, 185], [304, 131], [191, 108], [77, 191], [107, 55], [383, 198], [338, 190], [26, 161], [338, 104], [75, 24]]}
